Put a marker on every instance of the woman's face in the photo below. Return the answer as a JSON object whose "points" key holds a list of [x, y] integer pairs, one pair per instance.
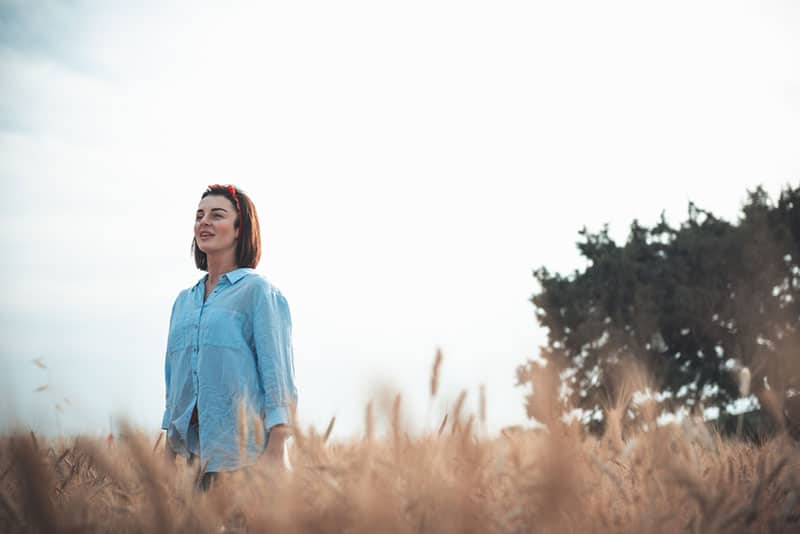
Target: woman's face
{"points": [[213, 225]]}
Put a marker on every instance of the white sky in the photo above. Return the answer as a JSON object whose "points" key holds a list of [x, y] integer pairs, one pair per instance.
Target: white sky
{"points": [[412, 163]]}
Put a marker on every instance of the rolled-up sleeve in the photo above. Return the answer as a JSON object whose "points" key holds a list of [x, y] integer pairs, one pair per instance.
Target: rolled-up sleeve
{"points": [[272, 334]]}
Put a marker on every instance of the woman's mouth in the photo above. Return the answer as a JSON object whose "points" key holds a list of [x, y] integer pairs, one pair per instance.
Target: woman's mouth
{"points": [[205, 235]]}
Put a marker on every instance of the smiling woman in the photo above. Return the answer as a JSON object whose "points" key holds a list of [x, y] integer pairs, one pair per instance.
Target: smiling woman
{"points": [[229, 361]]}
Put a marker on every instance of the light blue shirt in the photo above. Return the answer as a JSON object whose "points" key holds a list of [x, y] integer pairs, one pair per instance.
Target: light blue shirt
{"points": [[230, 355]]}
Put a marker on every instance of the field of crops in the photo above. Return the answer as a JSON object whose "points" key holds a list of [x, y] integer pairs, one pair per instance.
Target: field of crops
{"points": [[674, 478]]}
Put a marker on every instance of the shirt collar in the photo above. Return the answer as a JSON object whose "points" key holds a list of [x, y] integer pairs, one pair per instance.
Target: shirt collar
{"points": [[232, 276], [237, 274]]}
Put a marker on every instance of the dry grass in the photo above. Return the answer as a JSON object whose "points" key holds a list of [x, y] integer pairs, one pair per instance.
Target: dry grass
{"points": [[677, 478], [673, 479]]}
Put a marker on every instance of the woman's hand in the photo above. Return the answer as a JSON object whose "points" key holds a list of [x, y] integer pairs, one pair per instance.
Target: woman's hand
{"points": [[169, 454], [275, 453]]}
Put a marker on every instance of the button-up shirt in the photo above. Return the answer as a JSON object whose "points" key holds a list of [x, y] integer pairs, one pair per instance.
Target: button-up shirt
{"points": [[230, 356]]}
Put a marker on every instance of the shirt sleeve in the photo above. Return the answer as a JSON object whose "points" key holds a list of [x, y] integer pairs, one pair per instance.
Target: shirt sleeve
{"points": [[167, 374], [167, 415], [272, 333]]}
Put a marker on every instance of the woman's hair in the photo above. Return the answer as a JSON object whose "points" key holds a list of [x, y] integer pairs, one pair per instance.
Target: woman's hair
{"points": [[248, 246]]}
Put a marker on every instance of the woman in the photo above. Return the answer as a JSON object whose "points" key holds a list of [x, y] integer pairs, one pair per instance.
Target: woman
{"points": [[229, 363]]}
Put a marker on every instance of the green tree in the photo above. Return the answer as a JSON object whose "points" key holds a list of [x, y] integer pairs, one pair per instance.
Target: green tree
{"points": [[692, 304]]}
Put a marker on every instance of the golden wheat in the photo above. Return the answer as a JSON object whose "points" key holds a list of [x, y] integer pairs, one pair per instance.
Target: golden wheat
{"points": [[636, 478]]}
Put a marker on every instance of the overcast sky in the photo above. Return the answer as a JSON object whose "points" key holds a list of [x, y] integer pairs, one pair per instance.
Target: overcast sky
{"points": [[412, 162]]}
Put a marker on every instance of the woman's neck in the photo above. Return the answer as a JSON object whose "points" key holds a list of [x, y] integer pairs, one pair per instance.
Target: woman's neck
{"points": [[219, 265]]}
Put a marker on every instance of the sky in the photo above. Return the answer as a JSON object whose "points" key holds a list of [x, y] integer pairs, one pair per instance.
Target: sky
{"points": [[412, 163]]}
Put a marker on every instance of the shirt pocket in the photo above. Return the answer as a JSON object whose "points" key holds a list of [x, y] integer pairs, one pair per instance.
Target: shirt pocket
{"points": [[180, 335], [224, 328]]}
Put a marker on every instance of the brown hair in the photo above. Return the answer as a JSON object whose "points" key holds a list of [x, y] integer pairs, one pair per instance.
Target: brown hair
{"points": [[248, 245]]}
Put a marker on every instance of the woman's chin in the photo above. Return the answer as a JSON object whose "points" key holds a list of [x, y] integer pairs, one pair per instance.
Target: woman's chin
{"points": [[212, 251]]}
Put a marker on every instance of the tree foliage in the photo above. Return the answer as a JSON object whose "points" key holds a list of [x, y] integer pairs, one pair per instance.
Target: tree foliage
{"points": [[692, 304]]}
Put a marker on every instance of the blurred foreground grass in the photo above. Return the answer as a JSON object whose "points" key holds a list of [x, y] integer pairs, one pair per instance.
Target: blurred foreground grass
{"points": [[675, 478]]}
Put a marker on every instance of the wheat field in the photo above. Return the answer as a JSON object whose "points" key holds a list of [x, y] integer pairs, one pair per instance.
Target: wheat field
{"points": [[673, 478]]}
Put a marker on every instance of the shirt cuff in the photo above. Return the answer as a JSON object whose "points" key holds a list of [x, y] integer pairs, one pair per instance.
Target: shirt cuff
{"points": [[165, 420], [276, 416]]}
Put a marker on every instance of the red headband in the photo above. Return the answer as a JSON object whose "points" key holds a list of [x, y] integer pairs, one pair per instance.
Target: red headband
{"points": [[232, 191]]}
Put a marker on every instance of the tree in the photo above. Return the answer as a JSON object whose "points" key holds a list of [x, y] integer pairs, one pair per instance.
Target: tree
{"points": [[692, 304]]}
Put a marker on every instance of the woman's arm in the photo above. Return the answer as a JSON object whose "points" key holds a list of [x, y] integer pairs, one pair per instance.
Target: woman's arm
{"points": [[272, 333], [167, 375], [168, 372]]}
